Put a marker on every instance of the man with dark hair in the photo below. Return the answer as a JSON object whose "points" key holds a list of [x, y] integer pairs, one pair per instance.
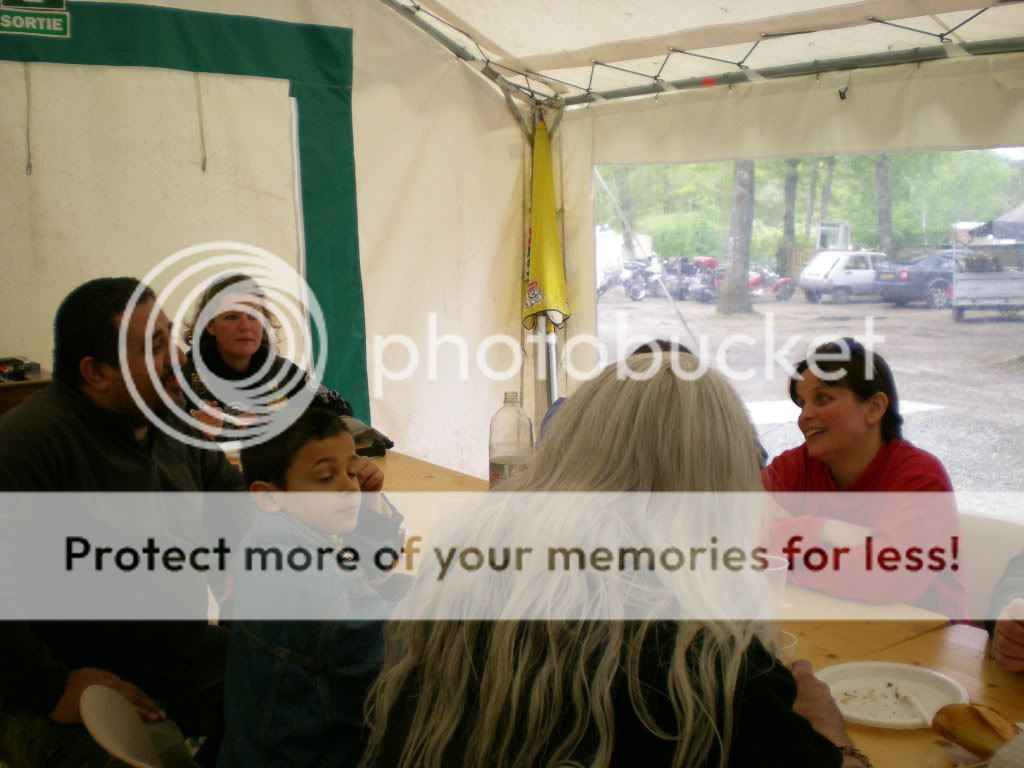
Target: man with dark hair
{"points": [[86, 432], [85, 324]]}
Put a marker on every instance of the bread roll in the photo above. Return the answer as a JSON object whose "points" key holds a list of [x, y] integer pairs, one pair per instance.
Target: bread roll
{"points": [[975, 727]]}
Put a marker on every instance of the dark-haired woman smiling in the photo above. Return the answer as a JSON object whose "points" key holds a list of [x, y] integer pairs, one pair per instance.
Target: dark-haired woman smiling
{"points": [[853, 431], [853, 442]]}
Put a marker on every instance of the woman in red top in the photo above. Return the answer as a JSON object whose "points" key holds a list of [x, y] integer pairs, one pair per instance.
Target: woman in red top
{"points": [[853, 441]]}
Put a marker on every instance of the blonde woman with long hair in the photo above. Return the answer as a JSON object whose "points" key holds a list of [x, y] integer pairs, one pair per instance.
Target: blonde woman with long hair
{"points": [[578, 692]]}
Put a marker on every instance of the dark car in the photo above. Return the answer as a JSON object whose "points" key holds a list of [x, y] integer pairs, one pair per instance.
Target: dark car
{"points": [[926, 279]]}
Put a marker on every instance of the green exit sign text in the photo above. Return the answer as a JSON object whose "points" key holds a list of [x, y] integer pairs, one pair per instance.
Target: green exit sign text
{"points": [[45, 18]]}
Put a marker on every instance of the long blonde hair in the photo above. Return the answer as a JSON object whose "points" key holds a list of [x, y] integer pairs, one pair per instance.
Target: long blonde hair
{"points": [[518, 694]]}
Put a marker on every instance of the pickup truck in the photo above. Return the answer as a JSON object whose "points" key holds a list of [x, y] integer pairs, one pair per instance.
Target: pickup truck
{"points": [[980, 282]]}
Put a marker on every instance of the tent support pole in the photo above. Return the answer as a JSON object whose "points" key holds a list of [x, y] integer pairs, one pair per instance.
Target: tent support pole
{"points": [[551, 344], [893, 58], [556, 122], [520, 120], [487, 70]]}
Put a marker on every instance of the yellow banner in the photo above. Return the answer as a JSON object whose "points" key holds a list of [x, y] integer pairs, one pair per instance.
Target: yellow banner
{"points": [[545, 288]]}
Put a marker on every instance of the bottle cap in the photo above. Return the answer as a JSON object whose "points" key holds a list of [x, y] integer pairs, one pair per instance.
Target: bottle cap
{"points": [[512, 397]]}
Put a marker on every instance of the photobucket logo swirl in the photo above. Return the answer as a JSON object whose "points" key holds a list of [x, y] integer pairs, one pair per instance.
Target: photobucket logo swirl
{"points": [[248, 298]]}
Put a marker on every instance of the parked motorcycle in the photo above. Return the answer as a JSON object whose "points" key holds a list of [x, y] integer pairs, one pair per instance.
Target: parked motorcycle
{"points": [[641, 277], [707, 285], [677, 278], [783, 288], [704, 282], [764, 281], [611, 279]]}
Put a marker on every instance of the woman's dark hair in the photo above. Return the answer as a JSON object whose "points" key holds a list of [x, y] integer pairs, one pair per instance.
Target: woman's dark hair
{"points": [[862, 379], [661, 345], [269, 461], [86, 324], [207, 344]]}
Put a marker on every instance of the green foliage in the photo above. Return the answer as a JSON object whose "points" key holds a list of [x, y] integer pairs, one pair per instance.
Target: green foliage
{"points": [[691, 233], [686, 208]]}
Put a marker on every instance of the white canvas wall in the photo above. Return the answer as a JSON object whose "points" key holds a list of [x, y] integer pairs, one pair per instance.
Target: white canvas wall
{"points": [[116, 183], [116, 186], [439, 177]]}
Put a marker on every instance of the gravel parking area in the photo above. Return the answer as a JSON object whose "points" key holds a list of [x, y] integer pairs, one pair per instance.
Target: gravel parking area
{"points": [[963, 383]]}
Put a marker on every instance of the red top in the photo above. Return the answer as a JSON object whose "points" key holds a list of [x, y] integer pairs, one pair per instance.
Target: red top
{"points": [[898, 466], [895, 522]]}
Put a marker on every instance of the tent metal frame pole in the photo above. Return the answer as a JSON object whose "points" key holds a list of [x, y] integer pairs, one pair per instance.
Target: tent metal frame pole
{"points": [[912, 56], [516, 114], [460, 52], [551, 345]]}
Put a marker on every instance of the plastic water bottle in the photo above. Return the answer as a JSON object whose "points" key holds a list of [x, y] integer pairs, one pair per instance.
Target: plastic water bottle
{"points": [[511, 441]]}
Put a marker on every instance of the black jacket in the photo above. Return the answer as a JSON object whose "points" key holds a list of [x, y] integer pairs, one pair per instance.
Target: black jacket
{"points": [[279, 372], [57, 440]]}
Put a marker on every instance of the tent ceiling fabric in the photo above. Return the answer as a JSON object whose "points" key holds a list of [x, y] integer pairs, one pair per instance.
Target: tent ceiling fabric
{"points": [[555, 44]]}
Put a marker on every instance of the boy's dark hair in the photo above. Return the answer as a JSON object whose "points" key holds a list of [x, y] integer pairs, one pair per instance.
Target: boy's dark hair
{"points": [[864, 383], [86, 324], [269, 461]]}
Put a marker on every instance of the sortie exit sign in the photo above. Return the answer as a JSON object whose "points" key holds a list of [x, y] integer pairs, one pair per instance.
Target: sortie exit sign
{"points": [[45, 18]]}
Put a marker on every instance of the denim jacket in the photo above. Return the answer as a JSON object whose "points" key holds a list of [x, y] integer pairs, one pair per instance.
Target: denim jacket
{"points": [[294, 690]]}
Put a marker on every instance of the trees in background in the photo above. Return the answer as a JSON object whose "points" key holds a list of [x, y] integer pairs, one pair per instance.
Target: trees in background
{"points": [[886, 243], [735, 295], [688, 208], [788, 243]]}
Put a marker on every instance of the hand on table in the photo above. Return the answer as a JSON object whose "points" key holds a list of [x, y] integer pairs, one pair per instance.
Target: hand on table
{"points": [[814, 701], [1008, 641], [67, 711]]}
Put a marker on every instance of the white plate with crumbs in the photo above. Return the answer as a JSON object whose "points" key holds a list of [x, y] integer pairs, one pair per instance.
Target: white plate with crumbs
{"points": [[890, 695]]}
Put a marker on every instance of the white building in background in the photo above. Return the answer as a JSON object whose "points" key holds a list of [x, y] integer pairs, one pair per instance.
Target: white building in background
{"points": [[610, 250]]}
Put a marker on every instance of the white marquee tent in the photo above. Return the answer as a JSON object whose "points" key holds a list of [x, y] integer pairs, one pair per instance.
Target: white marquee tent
{"points": [[131, 162]]}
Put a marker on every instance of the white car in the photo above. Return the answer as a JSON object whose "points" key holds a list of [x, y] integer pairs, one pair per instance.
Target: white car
{"points": [[840, 273]]}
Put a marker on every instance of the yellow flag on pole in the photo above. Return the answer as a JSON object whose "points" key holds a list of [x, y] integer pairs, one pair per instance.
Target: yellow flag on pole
{"points": [[545, 287]]}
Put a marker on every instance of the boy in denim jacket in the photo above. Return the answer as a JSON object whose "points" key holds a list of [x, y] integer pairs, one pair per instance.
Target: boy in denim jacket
{"points": [[294, 690]]}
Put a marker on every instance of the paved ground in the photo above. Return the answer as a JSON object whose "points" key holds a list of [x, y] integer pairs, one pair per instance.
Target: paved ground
{"points": [[962, 383]]}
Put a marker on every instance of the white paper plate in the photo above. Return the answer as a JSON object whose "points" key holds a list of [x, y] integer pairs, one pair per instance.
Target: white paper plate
{"points": [[890, 695]]}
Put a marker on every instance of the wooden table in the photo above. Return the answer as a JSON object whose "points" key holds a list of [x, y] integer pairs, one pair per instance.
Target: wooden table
{"points": [[962, 652], [13, 392], [959, 651], [863, 630], [404, 473]]}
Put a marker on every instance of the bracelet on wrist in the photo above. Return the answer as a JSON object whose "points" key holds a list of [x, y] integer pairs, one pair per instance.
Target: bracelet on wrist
{"points": [[848, 750]]}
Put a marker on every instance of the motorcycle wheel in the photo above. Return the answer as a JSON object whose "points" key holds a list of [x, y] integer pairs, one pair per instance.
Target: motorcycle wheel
{"points": [[636, 291], [785, 293]]}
